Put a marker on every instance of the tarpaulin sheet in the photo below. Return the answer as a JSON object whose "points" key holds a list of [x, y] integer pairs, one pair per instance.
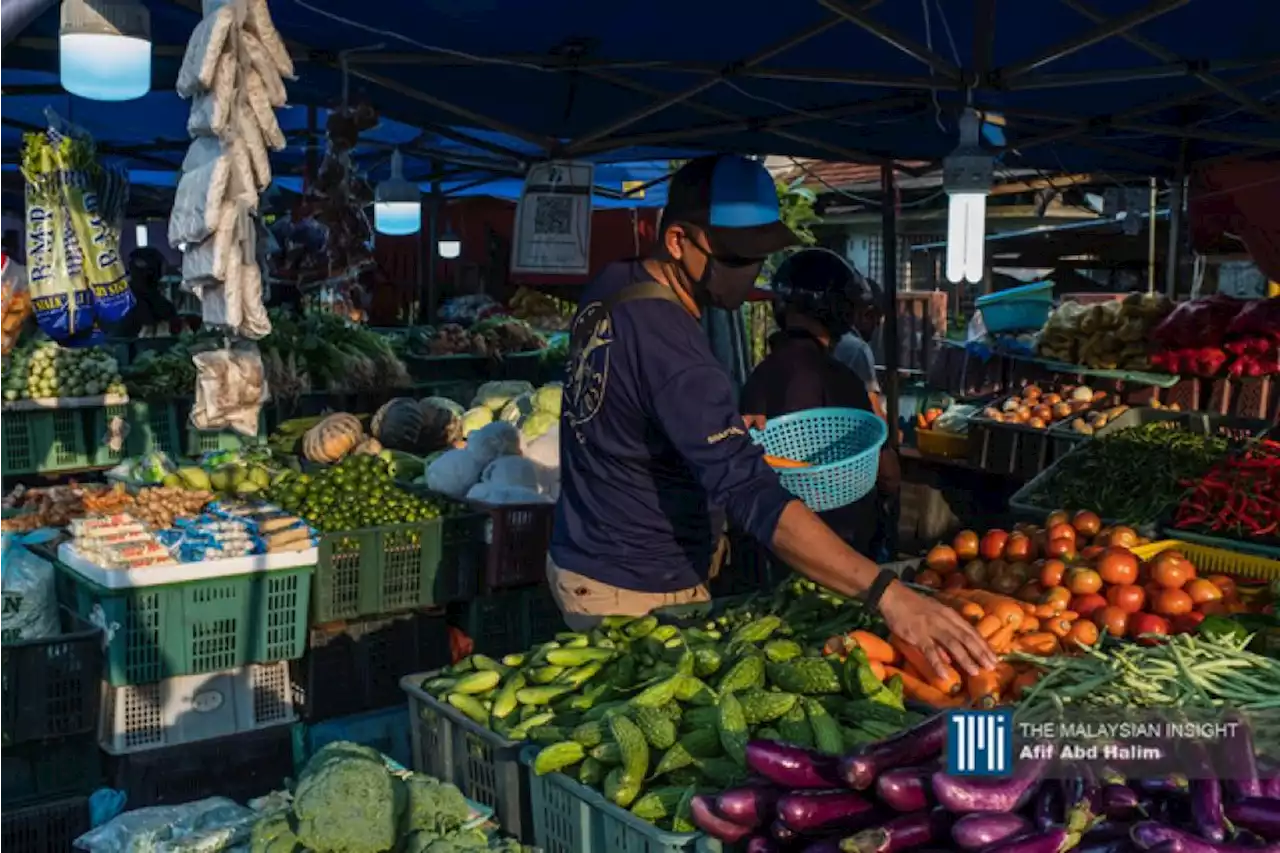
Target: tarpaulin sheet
{"points": [[1240, 199]]}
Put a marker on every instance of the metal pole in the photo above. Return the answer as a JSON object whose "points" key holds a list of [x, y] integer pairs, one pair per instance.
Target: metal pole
{"points": [[1173, 256], [889, 238], [313, 153], [1151, 241], [433, 226]]}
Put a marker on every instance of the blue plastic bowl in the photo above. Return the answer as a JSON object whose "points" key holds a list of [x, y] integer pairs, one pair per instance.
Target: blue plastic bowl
{"points": [[1025, 315], [842, 447]]}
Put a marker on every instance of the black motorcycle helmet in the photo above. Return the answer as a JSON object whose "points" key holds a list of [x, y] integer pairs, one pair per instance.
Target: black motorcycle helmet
{"points": [[824, 286]]}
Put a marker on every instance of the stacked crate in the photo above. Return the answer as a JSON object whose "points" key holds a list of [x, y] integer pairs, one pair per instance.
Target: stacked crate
{"points": [[196, 697], [50, 758]]}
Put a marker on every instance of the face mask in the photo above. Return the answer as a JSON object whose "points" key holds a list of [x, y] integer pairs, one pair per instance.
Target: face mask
{"points": [[723, 284]]}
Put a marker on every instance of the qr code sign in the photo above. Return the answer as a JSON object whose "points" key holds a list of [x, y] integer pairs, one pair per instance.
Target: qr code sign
{"points": [[553, 215]]}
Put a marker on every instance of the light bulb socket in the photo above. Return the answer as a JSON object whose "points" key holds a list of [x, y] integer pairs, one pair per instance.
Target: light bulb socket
{"points": [[396, 188], [127, 18]]}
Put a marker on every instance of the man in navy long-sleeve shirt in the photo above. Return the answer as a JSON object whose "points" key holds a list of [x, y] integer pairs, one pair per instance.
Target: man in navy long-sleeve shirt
{"points": [[653, 450]]}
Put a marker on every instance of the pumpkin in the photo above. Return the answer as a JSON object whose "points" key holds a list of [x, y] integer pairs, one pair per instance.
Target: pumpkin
{"points": [[399, 425], [332, 438], [370, 446], [442, 423]]}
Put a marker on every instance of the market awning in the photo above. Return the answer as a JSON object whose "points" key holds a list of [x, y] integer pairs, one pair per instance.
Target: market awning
{"points": [[1081, 84]]}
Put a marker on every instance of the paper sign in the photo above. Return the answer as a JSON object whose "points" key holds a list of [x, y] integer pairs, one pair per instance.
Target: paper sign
{"points": [[553, 220]]}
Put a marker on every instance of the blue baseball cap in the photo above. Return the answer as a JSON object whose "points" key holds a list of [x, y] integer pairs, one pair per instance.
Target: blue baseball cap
{"points": [[734, 201]]}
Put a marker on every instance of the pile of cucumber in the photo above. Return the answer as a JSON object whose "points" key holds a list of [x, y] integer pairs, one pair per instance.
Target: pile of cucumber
{"points": [[653, 713]]}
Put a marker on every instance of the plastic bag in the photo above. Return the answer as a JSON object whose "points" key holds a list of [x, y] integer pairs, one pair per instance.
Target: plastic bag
{"points": [[15, 302], [1199, 323], [254, 322], [231, 387], [544, 452], [204, 50], [203, 826], [197, 204], [455, 472], [27, 583], [493, 440], [211, 111], [1259, 318]]}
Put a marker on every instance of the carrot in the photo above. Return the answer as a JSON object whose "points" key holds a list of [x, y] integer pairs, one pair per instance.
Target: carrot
{"points": [[947, 682], [1070, 615], [914, 688], [984, 685], [1024, 682], [1057, 626], [1047, 611], [1009, 613], [873, 647], [783, 462], [1005, 674], [878, 670], [1001, 640], [1028, 607], [1029, 625], [1039, 643], [988, 625]]}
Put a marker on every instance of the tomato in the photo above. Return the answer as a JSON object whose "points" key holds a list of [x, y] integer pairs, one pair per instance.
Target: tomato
{"points": [[992, 545], [1215, 608], [1058, 597], [1063, 549], [1226, 584], [1032, 591], [1086, 523], [1169, 573], [1118, 566], [1088, 604], [965, 545], [1127, 597], [1203, 591], [1083, 581], [1058, 516], [1187, 623], [955, 580], [1051, 572], [1092, 552], [929, 578], [1172, 602], [1082, 633], [1062, 531], [942, 559], [1124, 537], [1148, 623], [1018, 547], [1113, 620]]}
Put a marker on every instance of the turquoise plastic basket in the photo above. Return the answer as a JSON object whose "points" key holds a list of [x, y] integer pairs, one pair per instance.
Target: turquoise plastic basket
{"points": [[842, 447]]}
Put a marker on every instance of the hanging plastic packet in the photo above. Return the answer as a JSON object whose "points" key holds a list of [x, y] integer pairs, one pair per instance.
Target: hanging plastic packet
{"points": [[15, 301], [231, 387]]}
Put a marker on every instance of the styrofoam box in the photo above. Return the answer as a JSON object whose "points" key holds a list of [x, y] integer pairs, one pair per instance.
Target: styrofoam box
{"points": [[188, 708]]}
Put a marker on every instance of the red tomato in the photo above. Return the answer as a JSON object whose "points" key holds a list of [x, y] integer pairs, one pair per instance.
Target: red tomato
{"points": [[992, 545], [1088, 604], [966, 545], [1172, 602], [1169, 573], [1127, 597], [1083, 581], [1052, 572], [1062, 531], [1148, 623], [1063, 549], [1203, 591], [1186, 623], [1113, 620], [1118, 566]]}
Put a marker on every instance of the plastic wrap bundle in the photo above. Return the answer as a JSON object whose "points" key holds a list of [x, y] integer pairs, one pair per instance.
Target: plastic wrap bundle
{"points": [[233, 71]]}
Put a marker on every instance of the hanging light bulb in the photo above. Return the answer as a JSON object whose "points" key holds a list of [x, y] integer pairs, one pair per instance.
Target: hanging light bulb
{"points": [[449, 246], [397, 206], [104, 49], [967, 179]]}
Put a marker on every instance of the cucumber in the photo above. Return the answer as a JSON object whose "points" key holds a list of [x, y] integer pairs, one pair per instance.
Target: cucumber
{"points": [[554, 758], [577, 656], [480, 681], [591, 772], [471, 706], [608, 753], [505, 702], [542, 695]]}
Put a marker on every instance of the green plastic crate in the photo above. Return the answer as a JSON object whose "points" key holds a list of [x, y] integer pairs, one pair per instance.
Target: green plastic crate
{"points": [[102, 453], [156, 425], [40, 442], [187, 628], [485, 766], [380, 570], [569, 817]]}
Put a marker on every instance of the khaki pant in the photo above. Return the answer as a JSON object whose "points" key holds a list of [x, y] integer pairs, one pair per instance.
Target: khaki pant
{"points": [[584, 601]]}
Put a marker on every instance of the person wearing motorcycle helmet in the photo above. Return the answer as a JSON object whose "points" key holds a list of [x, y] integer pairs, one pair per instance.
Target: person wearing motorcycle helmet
{"points": [[818, 297]]}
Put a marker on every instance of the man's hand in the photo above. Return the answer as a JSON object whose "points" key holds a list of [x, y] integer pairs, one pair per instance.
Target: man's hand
{"points": [[936, 630], [754, 421], [889, 473]]}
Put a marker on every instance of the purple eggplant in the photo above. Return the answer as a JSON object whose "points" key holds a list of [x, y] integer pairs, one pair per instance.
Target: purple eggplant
{"points": [[961, 796], [1048, 811], [1258, 815], [1120, 802], [1109, 845], [915, 745], [906, 789], [904, 832], [978, 830], [791, 766], [824, 845], [714, 824], [1037, 842], [1246, 838], [1160, 785], [749, 805], [1107, 830], [1269, 778], [809, 812], [782, 833], [762, 844], [1149, 835], [1237, 755], [1081, 801], [1206, 809]]}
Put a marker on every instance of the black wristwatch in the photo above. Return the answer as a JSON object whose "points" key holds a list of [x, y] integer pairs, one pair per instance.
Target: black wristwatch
{"points": [[876, 592]]}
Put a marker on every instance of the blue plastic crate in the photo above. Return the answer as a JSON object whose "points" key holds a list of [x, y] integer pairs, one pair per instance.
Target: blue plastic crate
{"points": [[386, 731]]}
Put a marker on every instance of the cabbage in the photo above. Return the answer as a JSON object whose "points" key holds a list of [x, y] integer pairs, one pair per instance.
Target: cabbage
{"points": [[475, 418], [517, 410], [547, 398], [538, 423], [495, 395]]}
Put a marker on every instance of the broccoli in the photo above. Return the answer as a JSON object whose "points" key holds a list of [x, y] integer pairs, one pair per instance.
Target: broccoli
{"points": [[274, 832], [434, 806], [461, 841], [348, 801]]}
